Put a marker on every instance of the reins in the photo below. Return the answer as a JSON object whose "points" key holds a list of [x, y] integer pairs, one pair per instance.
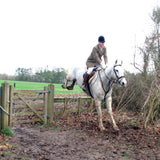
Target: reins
{"points": [[110, 84]]}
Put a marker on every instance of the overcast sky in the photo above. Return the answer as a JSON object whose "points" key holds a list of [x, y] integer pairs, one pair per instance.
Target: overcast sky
{"points": [[60, 33]]}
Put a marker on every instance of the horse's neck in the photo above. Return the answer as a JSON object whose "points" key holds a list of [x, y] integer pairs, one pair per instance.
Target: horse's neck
{"points": [[109, 72], [107, 77]]}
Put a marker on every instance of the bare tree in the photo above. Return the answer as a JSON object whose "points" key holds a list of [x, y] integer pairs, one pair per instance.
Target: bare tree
{"points": [[154, 40], [150, 52], [152, 103], [145, 53]]}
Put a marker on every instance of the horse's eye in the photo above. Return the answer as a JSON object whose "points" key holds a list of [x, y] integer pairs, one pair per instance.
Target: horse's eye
{"points": [[117, 71]]}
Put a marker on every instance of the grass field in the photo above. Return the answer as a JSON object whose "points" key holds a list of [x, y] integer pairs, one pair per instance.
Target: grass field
{"points": [[40, 86]]}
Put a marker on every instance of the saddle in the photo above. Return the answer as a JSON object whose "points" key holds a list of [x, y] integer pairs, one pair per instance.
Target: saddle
{"points": [[91, 76]]}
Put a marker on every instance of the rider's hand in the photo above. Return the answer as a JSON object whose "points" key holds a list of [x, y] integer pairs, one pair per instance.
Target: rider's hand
{"points": [[106, 65], [103, 66]]}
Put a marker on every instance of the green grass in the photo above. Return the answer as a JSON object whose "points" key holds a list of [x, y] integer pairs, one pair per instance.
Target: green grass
{"points": [[40, 86], [8, 131]]}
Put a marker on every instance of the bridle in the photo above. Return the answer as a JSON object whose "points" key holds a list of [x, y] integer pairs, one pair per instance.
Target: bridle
{"points": [[115, 72], [111, 81]]}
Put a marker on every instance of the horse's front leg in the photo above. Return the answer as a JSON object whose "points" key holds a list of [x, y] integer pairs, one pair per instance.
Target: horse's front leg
{"points": [[98, 107], [109, 106]]}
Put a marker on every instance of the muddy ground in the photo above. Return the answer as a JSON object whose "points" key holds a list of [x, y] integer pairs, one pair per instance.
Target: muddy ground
{"points": [[77, 137]]}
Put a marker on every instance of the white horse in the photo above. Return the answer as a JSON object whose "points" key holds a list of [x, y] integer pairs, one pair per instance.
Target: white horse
{"points": [[100, 87]]}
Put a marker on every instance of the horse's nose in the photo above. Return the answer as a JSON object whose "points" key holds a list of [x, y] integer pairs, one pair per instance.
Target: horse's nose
{"points": [[123, 84]]}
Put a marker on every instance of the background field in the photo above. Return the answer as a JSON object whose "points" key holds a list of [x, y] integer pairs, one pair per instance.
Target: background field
{"points": [[40, 86]]}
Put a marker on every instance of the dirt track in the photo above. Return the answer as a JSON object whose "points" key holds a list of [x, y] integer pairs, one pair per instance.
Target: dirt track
{"points": [[78, 137]]}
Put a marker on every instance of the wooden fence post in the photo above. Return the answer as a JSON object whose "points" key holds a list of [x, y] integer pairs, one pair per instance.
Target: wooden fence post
{"points": [[65, 104], [5, 104], [45, 104], [91, 104], [0, 109], [50, 109], [10, 104], [79, 105]]}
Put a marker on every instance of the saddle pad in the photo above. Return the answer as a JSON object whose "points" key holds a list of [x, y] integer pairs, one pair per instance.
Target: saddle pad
{"points": [[93, 73]]}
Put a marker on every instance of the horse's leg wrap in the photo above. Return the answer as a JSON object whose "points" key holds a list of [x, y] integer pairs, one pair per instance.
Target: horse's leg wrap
{"points": [[72, 85]]}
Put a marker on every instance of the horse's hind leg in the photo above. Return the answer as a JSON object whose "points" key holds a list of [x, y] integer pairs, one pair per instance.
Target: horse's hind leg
{"points": [[65, 84], [72, 85], [109, 106], [98, 107]]}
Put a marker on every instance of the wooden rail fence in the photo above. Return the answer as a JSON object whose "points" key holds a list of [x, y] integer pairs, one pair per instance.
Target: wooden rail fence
{"points": [[32, 105]]}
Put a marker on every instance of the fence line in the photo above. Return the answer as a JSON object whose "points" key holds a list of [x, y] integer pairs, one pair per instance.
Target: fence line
{"points": [[44, 111]]}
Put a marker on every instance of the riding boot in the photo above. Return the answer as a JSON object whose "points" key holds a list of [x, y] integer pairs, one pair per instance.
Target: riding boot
{"points": [[85, 81]]}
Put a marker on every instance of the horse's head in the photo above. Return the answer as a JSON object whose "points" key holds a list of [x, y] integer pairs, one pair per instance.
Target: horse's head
{"points": [[119, 74]]}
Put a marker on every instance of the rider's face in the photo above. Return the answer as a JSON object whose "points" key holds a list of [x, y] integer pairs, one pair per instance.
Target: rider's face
{"points": [[101, 44]]}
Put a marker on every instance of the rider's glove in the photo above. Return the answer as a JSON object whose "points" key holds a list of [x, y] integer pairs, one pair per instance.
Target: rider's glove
{"points": [[103, 65]]}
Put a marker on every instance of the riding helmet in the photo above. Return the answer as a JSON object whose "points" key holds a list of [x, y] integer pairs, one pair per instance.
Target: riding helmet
{"points": [[101, 39]]}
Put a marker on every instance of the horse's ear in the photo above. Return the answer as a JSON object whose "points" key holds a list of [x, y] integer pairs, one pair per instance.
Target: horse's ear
{"points": [[116, 61]]}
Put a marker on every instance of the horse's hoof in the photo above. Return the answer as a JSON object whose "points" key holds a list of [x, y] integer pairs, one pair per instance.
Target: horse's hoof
{"points": [[70, 88], [116, 128], [102, 128], [63, 86]]}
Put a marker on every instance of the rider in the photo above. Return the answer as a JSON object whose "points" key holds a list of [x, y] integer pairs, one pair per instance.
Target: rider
{"points": [[95, 58]]}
